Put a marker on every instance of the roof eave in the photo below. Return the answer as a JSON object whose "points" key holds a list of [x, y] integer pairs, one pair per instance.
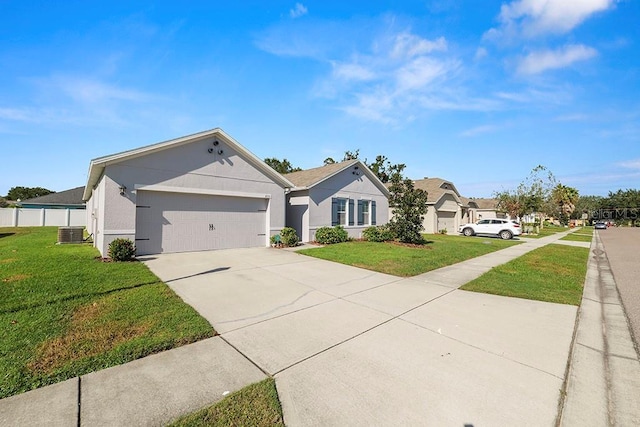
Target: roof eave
{"points": [[97, 165]]}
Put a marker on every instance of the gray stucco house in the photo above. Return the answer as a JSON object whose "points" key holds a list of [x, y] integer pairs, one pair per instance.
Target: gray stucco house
{"points": [[345, 193], [199, 192]]}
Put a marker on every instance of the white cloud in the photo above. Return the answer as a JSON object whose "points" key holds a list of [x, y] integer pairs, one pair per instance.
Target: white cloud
{"points": [[356, 72], [577, 117], [481, 53], [540, 61], [409, 45], [478, 130], [91, 91], [532, 18], [298, 11], [630, 164]]}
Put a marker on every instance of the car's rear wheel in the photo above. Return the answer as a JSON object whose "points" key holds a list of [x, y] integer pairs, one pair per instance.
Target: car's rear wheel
{"points": [[468, 231], [505, 235]]}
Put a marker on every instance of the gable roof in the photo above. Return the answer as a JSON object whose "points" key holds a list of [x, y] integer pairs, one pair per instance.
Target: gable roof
{"points": [[97, 165], [67, 197], [309, 178], [489, 204], [436, 188]]}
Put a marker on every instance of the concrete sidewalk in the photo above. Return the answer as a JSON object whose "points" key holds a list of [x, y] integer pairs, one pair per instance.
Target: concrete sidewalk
{"points": [[603, 387], [345, 345]]}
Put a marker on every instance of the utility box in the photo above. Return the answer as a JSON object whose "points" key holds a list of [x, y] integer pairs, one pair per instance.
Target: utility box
{"points": [[70, 235]]}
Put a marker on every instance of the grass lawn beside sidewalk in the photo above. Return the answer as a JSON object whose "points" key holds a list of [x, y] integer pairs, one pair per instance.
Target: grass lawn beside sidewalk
{"points": [[64, 313], [547, 230], [584, 234], [391, 258], [553, 273], [254, 405]]}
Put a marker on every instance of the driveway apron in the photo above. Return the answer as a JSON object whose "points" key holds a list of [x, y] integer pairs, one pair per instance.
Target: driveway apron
{"points": [[348, 346]]}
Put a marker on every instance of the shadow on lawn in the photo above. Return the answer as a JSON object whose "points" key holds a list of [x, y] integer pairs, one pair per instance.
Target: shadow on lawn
{"points": [[6, 235]]}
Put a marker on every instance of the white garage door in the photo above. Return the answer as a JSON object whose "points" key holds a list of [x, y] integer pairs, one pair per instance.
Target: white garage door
{"points": [[178, 222], [447, 220]]}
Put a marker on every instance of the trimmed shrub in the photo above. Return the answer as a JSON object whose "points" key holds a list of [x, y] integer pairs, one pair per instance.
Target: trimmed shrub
{"points": [[121, 250], [331, 235], [289, 237], [380, 233]]}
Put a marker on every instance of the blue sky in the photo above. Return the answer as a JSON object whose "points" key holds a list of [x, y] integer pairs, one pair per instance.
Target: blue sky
{"points": [[476, 92]]}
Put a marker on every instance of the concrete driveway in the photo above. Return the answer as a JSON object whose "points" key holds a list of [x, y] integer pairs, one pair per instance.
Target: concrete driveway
{"points": [[349, 346]]}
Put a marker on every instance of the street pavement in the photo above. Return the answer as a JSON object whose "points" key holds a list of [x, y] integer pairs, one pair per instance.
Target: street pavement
{"points": [[346, 346]]}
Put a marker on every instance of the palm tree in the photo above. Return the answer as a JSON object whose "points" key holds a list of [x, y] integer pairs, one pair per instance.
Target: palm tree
{"points": [[565, 198]]}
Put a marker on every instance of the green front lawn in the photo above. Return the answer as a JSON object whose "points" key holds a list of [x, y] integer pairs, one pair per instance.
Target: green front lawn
{"points": [[254, 405], [547, 230], [391, 258], [553, 273], [584, 234], [65, 313]]}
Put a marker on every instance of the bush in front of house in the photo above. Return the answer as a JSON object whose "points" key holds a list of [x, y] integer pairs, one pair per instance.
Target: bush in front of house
{"points": [[121, 250], [289, 236], [330, 235], [380, 233]]}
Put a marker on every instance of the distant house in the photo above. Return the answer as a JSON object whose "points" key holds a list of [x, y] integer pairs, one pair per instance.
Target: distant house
{"points": [[445, 206], [68, 199], [483, 209], [345, 193]]}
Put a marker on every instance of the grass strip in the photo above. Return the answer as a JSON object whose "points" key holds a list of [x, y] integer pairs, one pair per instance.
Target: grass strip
{"points": [[254, 405], [553, 273], [547, 230], [406, 261], [65, 313]]}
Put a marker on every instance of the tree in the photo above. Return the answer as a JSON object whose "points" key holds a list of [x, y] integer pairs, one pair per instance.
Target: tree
{"points": [[622, 199], [282, 166], [565, 199], [329, 161], [383, 168], [351, 155], [587, 205], [531, 195], [24, 193], [409, 206], [3, 202]]}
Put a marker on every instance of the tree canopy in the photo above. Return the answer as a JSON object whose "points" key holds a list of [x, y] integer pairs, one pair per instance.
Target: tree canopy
{"points": [[281, 166], [24, 193], [532, 194]]}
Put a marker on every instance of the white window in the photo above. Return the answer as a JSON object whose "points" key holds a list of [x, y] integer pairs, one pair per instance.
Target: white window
{"points": [[342, 211]]}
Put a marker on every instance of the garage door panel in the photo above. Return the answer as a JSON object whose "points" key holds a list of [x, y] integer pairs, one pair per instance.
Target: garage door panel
{"points": [[189, 222], [446, 220]]}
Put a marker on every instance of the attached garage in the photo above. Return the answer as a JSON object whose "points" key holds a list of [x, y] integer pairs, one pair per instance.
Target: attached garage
{"points": [[196, 193], [447, 221], [178, 222]]}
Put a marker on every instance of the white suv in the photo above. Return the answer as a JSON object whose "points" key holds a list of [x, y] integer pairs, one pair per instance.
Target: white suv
{"points": [[503, 228]]}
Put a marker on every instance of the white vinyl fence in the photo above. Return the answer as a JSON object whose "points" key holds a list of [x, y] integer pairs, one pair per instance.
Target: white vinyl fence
{"points": [[14, 217]]}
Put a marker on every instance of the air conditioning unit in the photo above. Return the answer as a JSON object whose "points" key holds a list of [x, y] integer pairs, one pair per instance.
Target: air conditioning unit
{"points": [[70, 234]]}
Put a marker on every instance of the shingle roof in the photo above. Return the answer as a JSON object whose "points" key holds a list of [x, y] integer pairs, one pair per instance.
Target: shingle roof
{"points": [[486, 203], [67, 197], [435, 188], [310, 177]]}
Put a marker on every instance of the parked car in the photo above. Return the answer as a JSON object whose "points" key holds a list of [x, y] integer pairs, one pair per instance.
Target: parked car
{"points": [[601, 225], [503, 228]]}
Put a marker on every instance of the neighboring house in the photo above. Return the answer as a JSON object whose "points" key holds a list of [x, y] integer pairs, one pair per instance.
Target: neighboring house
{"points": [[345, 193], [68, 199], [199, 192], [483, 209], [445, 208]]}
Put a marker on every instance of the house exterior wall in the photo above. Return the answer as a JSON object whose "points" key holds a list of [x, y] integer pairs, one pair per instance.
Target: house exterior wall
{"points": [[344, 185], [444, 213], [298, 214], [189, 167]]}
